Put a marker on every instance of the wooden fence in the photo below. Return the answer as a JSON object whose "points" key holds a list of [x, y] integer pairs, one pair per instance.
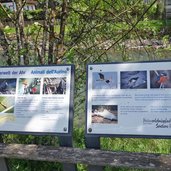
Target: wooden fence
{"points": [[86, 156]]}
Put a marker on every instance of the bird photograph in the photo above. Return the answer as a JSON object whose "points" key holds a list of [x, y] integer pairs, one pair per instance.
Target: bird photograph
{"points": [[8, 86], [133, 80], [105, 114], [160, 79], [104, 80], [29, 86], [54, 85]]}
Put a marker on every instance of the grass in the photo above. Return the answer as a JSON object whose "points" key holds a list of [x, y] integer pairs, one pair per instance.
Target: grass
{"points": [[137, 145]]}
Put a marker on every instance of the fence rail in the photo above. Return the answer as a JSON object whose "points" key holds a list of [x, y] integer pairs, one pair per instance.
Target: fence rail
{"points": [[86, 156]]}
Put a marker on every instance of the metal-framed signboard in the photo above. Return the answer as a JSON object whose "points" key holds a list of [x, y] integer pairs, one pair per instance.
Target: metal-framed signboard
{"points": [[36, 99], [129, 99]]}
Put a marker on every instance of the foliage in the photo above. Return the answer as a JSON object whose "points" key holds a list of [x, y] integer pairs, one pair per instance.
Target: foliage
{"points": [[3, 15], [34, 15], [151, 27]]}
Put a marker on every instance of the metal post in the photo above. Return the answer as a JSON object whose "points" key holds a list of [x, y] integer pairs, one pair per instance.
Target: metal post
{"points": [[66, 141], [3, 161], [3, 164], [93, 142]]}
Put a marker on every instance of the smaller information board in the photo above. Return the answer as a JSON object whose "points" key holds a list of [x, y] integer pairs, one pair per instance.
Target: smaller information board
{"points": [[36, 99], [129, 99]]}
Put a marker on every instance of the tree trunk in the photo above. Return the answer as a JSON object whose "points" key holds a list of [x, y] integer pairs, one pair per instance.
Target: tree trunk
{"points": [[51, 33], [60, 44], [20, 23], [45, 32], [4, 44]]}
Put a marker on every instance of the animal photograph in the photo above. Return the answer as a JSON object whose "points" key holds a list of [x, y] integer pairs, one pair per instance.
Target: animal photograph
{"points": [[8, 86], [160, 79], [55, 85], [133, 80], [105, 114], [29, 86], [105, 80]]}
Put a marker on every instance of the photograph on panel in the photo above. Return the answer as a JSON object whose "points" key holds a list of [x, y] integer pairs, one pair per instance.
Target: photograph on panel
{"points": [[104, 80], [133, 79], [8, 86], [107, 114], [29, 86], [56, 85], [7, 109], [160, 79]]}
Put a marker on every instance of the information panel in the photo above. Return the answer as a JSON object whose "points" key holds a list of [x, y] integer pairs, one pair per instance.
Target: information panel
{"points": [[36, 99], [129, 99]]}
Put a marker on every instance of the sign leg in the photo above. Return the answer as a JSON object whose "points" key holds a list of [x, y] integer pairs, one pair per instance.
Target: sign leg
{"points": [[93, 142], [66, 141], [3, 161], [3, 164]]}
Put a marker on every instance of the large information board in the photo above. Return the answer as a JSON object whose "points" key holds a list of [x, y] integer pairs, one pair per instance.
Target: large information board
{"points": [[129, 99], [36, 99]]}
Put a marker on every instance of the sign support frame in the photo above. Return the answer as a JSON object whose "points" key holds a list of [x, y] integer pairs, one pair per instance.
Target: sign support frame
{"points": [[93, 142], [3, 161], [66, 141]]}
